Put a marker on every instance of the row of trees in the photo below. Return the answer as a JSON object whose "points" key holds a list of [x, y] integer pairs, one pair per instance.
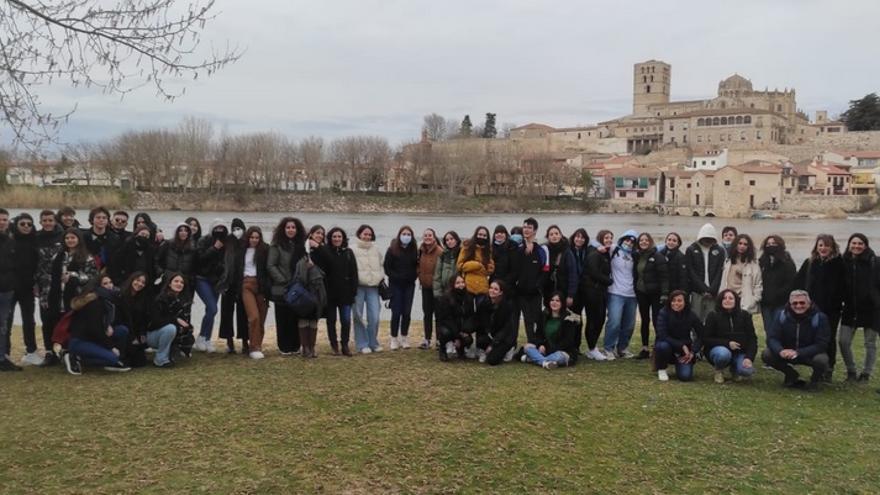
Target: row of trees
{"points": [[439, 128]]}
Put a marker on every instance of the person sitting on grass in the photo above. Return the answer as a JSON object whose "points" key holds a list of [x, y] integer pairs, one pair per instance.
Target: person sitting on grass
{"points": [[170, 323], [556, 341], [675, 325], [729, 338], [94, 340], [798, 334], [455, 320], [499, 324]]}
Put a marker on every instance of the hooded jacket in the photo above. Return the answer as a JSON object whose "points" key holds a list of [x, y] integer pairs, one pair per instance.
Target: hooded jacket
{"points": [[7, 263], [677, 268], [597, 272], [401, 267], [723, 327], [48, 245], [137, 254], [475, 273], [808, 334], [623, 267], [503, 258], [675, 327], [530, 269], [499, 323], [281, 263], [456, 311], [209, 259], [698, 265], [311, 277]]}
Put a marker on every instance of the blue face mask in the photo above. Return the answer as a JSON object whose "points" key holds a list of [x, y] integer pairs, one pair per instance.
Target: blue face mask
{"points": [[625, 248], [517, 238], [497, 242], [405, 239]]}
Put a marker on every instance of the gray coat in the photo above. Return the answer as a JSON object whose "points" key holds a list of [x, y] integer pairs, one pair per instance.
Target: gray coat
{"points": [[312, 278]]}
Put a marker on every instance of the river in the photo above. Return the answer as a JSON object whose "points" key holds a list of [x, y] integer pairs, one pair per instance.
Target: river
{"points": [[798, 234]]}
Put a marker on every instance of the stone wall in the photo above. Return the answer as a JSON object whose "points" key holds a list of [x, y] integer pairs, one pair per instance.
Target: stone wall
{"points": [[826, 204]]}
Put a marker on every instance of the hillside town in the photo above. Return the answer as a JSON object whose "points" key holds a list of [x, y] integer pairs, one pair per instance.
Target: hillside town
{"points": [[742, 153]]}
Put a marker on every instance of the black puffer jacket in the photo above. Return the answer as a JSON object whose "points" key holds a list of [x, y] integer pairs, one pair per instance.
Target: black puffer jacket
{"points": [[457, 312], [825, 280], [340, 273], [402, 267], [861, 296], [137, 254], [675, 327], [167, 308], [724, 326], [176, 257], [502, 256], [808, 334], [567, 338], [7, 263], [597, 273], [210, 260], [500, 322], [677, 269], [654, 278], [696, 267], [777, 274]]}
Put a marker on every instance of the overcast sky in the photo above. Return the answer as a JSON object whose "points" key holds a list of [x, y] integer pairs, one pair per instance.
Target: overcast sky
{"points": [[334, 67]]}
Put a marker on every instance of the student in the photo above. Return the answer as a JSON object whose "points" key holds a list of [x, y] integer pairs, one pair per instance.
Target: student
{"points": [[287, 248], [210, 255], [456, 319], [501, 254], [429, 254], [556, 343], [597, 279], [496, 335], [401, 265], [66, 217], [25, 258], [177, 255], [195, 228], [676, 323], [622, 302], [705, 263], [366, 304], [99, 239], [133, 311], [137, 254], [728, 239], [447, 265], [311, 277], [651, 285], [169, 321], [859, 305], [118, 225], [742, 274], [798, 334], [823, 276], [475, 263], [530, 265], [562, 275], [7, 289], [729, 338], [580, 247], [233, 314], [72, 270], [777, 275], [254, 284], [676, 262], [340, 268], [48, 242], [94, 338]]}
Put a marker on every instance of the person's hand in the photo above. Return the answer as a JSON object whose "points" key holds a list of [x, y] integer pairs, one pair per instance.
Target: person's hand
{"points": [[142, 339], [687, 356], [218, 244], [788, 354], [708, 295], [569, 301], [160, 236], [602, 249], [488, 349], [65, 277], [734, 346], [542, 350], [312, 243], [115, 351], [182, 322], [747, 363], [663, 300], [109, 331]]}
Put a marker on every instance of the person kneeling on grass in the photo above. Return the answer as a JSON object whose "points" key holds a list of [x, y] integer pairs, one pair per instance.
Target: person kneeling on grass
{"points": [[798, 334], [94, 339], [675, 324], [172, 330], [729, 338], [556, 341], [499, 325], [455, 320]]}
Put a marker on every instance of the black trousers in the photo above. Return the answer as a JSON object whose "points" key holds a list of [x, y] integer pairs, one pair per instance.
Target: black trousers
{"points": [[649, 306], [819, 363], [834, 323], [24, 297], [428, 310], [578, 308], [495, 356], [286, 328], [49, 318], [595, 303], [232, 317], [530, 309]]}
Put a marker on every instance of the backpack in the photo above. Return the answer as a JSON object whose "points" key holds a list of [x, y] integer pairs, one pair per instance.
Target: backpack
{"points": [[61, 332]]}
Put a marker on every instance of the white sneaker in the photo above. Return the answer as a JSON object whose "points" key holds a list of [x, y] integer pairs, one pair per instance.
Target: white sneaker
{"points": [[378, 348], [404, 341], [32, 359], [481, 356], [256, 355], [662, 375], [625, 354], [609, 355], [450, 349], [425, 345], [549, 365], [719, 377], [471, 352], [200, 345], [394, 344], [524, 358], [595, 354], [509, 356], [366, 350], [209, 346]]}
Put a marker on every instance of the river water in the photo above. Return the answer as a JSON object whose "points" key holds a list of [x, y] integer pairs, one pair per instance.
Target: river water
{"points": [[798, 234]]}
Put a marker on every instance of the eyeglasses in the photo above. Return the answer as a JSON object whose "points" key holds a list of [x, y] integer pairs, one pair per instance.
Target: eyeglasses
{"points": [[25, 224], [799, 303]]}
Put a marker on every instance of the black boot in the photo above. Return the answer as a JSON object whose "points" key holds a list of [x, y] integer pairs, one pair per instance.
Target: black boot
{"points": [[442, 354]]}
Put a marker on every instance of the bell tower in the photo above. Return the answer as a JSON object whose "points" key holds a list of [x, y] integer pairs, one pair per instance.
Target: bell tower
{"points": [[651, 85]]}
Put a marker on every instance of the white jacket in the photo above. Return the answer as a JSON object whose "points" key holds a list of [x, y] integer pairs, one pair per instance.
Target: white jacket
{"points": [[752, 285], [369, 263]]}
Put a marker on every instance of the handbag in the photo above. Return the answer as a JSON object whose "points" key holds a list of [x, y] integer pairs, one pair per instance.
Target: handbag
{"points": [[384, 291], [301, 300]]}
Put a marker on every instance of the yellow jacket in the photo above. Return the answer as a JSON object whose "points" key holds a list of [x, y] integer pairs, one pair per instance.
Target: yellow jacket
{"points": [[476, 275]]}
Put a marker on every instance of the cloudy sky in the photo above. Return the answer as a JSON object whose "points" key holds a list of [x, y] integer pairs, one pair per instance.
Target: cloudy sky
{"points": [[343, 67]]}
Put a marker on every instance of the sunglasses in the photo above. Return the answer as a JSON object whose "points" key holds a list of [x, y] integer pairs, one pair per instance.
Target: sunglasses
{"points": [[799, 303], [25, 224]]}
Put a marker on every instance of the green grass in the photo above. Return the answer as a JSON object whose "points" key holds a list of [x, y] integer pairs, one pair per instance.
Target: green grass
{"points": [[403, 422]]}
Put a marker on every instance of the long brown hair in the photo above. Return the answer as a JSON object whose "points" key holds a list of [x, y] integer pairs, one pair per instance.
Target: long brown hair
{"points": [[396, 248], [828, 240], [80, 254], [470, 247]]}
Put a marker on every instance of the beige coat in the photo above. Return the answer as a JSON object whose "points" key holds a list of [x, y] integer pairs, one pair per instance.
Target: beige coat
{"points": [[369, 263], [752, 285]]}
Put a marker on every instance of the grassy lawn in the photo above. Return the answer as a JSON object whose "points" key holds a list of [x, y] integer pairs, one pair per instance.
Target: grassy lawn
{"points": [[403, 422]]}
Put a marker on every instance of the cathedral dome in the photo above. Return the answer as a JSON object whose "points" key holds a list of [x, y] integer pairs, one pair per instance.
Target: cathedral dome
{"points": [[735, 82]]}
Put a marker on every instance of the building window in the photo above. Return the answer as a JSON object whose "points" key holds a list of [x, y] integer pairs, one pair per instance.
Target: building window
{"points": [[704, 162], [716, 121], [758, 134], [701, 122], [622, 194], [713, 162], [671, 127], [778, 108], [751, 183], [698, 200], [652, 78], [688, 186], [640, 194], [648, 88], [739, 119], [727, 183], [684, 139], [579, 135], [747, 119], [699, 138], [723, 120], [644, 79]]}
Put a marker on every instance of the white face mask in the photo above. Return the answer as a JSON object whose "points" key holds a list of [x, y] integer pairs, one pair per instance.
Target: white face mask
{"points": [[238, 233], [405, 239]]}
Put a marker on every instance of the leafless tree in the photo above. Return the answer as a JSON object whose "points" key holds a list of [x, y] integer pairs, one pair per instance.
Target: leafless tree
{"points": [[195, 150], [311, 154], [114, 45], [436, 126]]}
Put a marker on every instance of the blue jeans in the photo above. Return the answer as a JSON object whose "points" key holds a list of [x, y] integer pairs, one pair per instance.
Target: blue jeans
{"points": [[209, 295], [366, 331], [5, 308], [768, 313], [344, 311], [535, 355], [722, 357], [161, 340], [664, 355], [96, 354], [401, 306], [621, 322]]}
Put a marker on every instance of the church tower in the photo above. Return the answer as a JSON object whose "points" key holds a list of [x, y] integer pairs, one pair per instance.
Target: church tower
{"points": [[651, 85]]}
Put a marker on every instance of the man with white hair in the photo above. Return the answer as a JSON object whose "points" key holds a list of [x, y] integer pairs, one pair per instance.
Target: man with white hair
{"points": [[798, 335]]}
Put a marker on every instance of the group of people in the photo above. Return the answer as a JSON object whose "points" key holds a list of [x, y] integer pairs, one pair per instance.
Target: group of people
{"points": [[109, 295]]}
